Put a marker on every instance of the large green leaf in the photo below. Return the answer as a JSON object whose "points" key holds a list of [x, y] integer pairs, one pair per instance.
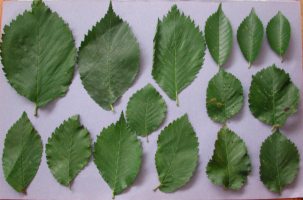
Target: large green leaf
{"points": [[279, 159], [230, 163], [250, 36], [117, 155], [179, 50], [177, 155], [224, 96], [278, 34], [21, 154], [272, 96], [146, 111], [218, 36], [109, 59], [68, 150], [38, 54]]}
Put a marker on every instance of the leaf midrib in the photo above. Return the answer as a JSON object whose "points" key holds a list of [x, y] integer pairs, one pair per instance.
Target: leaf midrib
{"points": [[118, 159]]}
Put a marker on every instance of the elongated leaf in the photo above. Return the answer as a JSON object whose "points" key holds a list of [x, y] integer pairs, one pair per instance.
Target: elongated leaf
{"points": [[250, 36], [224, 97], [109, 59], [146, 111], [117, 155], [21, 154], [278, 34], [177, 155], [218, 36], [279, 159], [68, 150], [230, 163], [38, 54], [179, 50], [272, 96]]}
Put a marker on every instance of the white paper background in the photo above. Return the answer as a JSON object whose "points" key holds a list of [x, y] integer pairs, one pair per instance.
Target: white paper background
{"points": [[142, 17]]}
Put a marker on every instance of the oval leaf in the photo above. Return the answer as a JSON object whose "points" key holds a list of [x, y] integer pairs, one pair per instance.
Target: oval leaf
{"points": [[250, 36], [224, 96], [179, 50], [118, 155], [68, 150], [21, 154], [272, 96], [108, 60], [230, 163], [46, 54], [146, 111], [278, 34], [279, 159], [218, 36], [177, 155]]}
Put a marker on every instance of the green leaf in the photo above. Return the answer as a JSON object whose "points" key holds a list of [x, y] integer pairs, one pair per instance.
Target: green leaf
{"points": [[272, 96], [146, 110], [218, 36], [179, 50], [68, 150], [38, 55], [230, 163], [224, 96], [118, 155], [278, 34], [109, 59], [21, 154], [279, 159], [177, 155], [250, 36]]}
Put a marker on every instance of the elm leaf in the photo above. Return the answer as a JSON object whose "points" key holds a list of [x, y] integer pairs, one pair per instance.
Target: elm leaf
{"points": [[109, 59], [118, 155], [38, 55], [177, 155], [21, 154], [179, 50], [230, 163], [146, 110], [68, 150]]}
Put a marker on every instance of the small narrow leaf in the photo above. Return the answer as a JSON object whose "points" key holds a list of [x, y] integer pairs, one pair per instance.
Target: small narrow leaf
{"points": [[38, 55], [146, 111], [250, 36], [117, 155], [272, 96], [179, 50], [218, 36], [109, 59], [279, 159], [224, 96], [230, 163], [278, 34], [21, 154], [177, 155], [68, 150]]}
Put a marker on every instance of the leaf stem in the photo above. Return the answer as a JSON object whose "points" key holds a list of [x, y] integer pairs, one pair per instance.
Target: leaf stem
{"points": [[249, 65], [113, 197], [147, 138], [36, 111], [282, 59], [177, 99], [157, 188], [112, 108]]}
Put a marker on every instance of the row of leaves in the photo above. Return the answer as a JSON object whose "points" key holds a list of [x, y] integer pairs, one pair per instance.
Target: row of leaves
{"points": [[109, 55]]}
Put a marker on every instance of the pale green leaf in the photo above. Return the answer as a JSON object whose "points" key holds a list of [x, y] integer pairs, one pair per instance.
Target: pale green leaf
{"points": [[179, 50], [218, 36], [146, 110], [118, 155], [21, 154], [38, 54], [109, 59], [230, 163], [279, 159], [177, 155], [272, 96], [68, 150], [224, 96], [250, 36]]}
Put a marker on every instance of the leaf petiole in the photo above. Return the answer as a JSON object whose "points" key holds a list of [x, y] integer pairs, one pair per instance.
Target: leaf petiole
{"points": [[155, 190], [112, 108], [36, 111]]}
